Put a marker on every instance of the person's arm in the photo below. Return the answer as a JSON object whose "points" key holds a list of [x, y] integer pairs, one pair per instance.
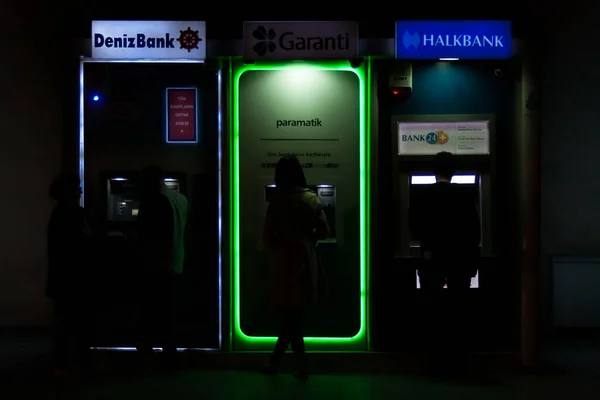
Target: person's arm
{"points": [[322, 230], [155, 222], [415, 222], [164, 229], [474, 226], [472, 237], [269, 234]]}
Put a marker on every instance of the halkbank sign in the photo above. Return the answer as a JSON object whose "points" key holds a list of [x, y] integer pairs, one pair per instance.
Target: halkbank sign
{"points": [[467, 40], [318, 40]]}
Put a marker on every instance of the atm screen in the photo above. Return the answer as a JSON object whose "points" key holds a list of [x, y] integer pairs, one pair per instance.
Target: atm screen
{"points": [[172, 184], [123, 198], [467, 182], [474, 282]]}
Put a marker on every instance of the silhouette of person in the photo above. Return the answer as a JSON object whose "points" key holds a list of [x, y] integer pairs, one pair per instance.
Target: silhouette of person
{"points": [[69, 247], [162, 219], [446, 222], [293, 224]]}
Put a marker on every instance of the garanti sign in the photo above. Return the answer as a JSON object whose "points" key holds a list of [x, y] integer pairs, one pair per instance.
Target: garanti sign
{"points": [[318, 40]]}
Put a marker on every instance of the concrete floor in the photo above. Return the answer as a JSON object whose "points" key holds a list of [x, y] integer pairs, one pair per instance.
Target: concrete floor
{"points": [[25, 365], [247, 385]]}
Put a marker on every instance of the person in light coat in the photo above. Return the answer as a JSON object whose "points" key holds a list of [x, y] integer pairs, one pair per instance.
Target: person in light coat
{"points": [[294, 222]]}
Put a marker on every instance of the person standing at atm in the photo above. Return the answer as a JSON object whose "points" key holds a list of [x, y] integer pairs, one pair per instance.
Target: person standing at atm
{"points": [[70, 246], [162, 220], [446, 222], [294, 222]]}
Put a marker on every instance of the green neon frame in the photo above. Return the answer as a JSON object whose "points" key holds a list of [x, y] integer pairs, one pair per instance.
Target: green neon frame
{"points": [[364, 175]]}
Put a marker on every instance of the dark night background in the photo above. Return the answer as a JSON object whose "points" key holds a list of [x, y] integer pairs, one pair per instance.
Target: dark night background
{"points": [[39, 68]]}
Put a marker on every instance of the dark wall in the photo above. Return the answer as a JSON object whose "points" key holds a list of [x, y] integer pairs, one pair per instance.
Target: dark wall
{"points": [[30, 156], [570, 163], [457, 87]]}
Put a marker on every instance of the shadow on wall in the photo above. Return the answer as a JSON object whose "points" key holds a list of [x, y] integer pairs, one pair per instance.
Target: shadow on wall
{"points": [[30, 122]]}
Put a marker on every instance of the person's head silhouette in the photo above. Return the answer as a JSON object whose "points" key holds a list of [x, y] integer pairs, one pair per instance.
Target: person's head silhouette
{"points": [[444, 166], [66, 188], [153, 179], [289, 174]]}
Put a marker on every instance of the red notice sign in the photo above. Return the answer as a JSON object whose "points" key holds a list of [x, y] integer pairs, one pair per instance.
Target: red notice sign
{"points": [[181, 115]]}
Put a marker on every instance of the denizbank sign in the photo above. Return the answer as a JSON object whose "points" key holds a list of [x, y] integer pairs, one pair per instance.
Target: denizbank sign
{"points": [[474, 40], [153, 40], [318, 40]]}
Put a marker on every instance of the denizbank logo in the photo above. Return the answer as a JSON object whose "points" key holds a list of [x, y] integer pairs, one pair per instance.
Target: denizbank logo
{"points": [[300, 40], [188, 40], [453, 39], [148, 40]]}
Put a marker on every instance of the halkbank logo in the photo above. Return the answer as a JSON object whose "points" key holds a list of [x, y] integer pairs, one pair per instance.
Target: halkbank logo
{"points": [[416, 40], [411, 39]]}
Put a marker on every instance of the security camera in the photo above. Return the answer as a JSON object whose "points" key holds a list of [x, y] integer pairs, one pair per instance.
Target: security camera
{"points": [[356, 62]]}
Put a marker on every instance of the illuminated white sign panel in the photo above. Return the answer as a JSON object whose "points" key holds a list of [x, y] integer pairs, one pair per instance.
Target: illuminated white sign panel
{"points": [[428, 138], [315, 40], [156, 40]]}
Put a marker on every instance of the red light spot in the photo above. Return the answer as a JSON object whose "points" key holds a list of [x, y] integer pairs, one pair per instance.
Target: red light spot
{"points": [[395, 91]]}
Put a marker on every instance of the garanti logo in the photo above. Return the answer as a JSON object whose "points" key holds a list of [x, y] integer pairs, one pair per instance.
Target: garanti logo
{"points": [[270, 41], [266, 40]]}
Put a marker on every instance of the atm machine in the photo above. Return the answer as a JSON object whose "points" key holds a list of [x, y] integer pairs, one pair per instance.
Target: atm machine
{"points": [[118, 269], [324, 319], [121, 206], [326, 195], [418, 139], [470, 183], [123, 200], [418, 142]]}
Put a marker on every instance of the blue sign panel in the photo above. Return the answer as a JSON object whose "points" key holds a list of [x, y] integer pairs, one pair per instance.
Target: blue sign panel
{"points": [[474, 40]]}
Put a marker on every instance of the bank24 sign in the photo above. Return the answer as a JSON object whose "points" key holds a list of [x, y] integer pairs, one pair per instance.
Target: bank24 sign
{"points": [[317, 40]]}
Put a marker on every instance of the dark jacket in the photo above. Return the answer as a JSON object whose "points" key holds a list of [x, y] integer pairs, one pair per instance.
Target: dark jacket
{"points": [[294, 222], [446, 222], [69, 252], [162, 222]]}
